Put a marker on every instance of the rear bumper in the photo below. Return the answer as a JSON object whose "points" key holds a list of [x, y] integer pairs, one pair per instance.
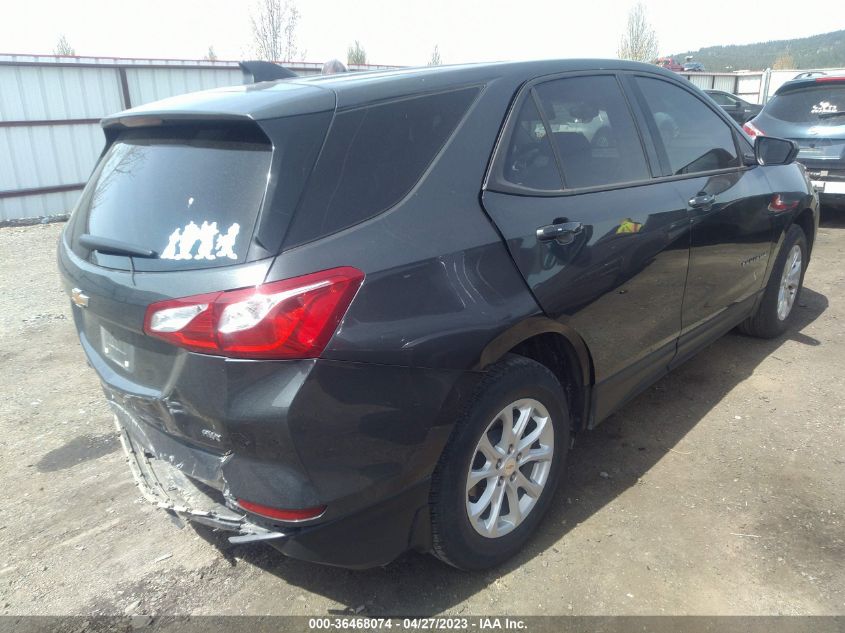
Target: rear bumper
{"points": [[366, 539], [829, 184], [167, 484], [832, 199], [830, 188], [360, 439]]}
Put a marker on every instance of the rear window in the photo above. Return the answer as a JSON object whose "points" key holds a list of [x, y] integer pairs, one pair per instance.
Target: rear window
{"points": [[373, 157], [822, 104], [191, 194]]}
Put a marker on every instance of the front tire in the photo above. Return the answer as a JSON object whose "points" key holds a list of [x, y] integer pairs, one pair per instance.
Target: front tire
{"points": [[500, 469], [777, 306]]}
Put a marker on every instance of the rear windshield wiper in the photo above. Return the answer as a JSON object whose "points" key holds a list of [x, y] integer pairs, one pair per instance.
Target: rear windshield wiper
{"points": [[108, 246], [830, 115]]}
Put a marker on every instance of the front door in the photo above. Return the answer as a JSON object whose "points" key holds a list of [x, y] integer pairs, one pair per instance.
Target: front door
{"points": [[729, 209]]}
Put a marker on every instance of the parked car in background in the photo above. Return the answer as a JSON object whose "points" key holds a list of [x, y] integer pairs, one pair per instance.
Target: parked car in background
{"points": [[811, 111], [353, 315], [669, 63], [694, 67], [740, 110]]}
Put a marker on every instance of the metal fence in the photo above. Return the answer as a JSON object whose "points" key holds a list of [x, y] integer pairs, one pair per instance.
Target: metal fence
{"points": [[51, 106], [753, 86], [746, 85]]}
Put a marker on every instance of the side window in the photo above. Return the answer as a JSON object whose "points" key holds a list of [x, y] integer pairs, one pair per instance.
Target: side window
{"points": [[694, 138], [593, 131], [721, 98], [373, 157], [529, 159]]}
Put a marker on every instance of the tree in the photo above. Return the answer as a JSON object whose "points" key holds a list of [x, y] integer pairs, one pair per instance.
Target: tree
{"points": [[639, 41], [435, 57], [274, 25], [356, 54], [210, 56], [63, 47], [784, 61]]}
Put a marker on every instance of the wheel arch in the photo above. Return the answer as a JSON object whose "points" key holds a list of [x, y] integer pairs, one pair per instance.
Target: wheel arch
{"points": [[556, 346], [806, 220]]}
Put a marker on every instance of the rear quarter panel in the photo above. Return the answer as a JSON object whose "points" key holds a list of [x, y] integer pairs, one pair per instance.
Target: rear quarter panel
{"points": [[794, 186], [439, 281]]}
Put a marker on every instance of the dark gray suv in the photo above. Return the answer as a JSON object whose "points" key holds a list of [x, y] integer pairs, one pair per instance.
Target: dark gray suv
{"points": [[356, 315]]}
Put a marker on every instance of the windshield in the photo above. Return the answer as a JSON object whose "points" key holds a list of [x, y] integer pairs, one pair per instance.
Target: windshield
{"points": [[822, 104], [191, 194]]}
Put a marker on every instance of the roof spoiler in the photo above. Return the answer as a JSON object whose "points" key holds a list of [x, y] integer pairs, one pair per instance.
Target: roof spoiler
{"points": [[256, 71]]}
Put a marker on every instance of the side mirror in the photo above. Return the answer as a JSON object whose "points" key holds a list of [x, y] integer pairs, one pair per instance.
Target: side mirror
{"points": [[770, 150]]}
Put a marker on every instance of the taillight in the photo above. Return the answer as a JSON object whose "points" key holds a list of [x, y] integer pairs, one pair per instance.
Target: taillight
{"points": [[779, 204], [752, 129], [293, 318], [282, 514]]}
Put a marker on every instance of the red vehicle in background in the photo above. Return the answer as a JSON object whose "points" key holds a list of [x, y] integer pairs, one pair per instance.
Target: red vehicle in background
{"points": [[669, 63]]}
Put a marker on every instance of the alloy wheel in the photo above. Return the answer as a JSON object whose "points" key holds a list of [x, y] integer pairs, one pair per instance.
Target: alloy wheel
{"points": [[789, 282], [510, 468]]}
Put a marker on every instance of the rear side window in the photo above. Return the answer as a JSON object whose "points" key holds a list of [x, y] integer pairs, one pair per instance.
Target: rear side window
{"points": [[593, 131], [694, 138], [824, 104], [372, 158], [723, 99], [529, 158], [191, 194]]}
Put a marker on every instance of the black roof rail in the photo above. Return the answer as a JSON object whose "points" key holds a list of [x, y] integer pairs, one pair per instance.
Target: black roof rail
{"points": [[265, 71], [811, 73]]}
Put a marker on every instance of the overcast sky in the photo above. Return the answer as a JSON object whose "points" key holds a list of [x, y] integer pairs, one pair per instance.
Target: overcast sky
{"points": [[402, 32]]}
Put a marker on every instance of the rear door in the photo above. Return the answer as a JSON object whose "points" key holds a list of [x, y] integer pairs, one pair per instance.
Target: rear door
{"points": [[611, 260], [702, 155]]}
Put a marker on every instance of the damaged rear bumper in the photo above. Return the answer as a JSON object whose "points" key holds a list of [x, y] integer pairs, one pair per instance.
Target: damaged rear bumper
{"points": [[360, 439], [188, 481], [159, 466]]}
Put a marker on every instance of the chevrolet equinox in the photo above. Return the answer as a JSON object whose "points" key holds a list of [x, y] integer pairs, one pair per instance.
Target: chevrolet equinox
{"points": [[355, 315]]}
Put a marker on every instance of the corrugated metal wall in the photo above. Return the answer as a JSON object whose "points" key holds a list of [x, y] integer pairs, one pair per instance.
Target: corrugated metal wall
{"points": [[50, 108], [151, 84], [755, 87], [745, 85], [749, 87]]}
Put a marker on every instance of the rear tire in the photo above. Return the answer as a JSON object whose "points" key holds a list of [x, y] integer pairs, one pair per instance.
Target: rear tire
{"points": [[501, 466], [777, 307]]}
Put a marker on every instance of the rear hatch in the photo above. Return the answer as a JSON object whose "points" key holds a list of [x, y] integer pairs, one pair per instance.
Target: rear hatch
{"points": [[208, 200], [812, 113]]}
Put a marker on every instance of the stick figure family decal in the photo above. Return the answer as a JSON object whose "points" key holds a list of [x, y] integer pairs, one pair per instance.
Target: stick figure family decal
{"points": [[212, 243]]}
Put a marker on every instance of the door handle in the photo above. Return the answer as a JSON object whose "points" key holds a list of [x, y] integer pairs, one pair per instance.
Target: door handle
{"points": [[702, 201], [563, 232]]}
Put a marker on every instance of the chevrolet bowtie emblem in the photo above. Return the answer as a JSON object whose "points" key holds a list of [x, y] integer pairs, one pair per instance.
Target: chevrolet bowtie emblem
{"points": [[79, 298]]}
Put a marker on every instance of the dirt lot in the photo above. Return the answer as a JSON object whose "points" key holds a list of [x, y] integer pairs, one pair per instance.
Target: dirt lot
{"points": [[718, 491]]}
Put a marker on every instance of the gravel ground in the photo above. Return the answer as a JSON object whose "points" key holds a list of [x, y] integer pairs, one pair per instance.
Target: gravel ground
{"points": [[717, 491]]}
